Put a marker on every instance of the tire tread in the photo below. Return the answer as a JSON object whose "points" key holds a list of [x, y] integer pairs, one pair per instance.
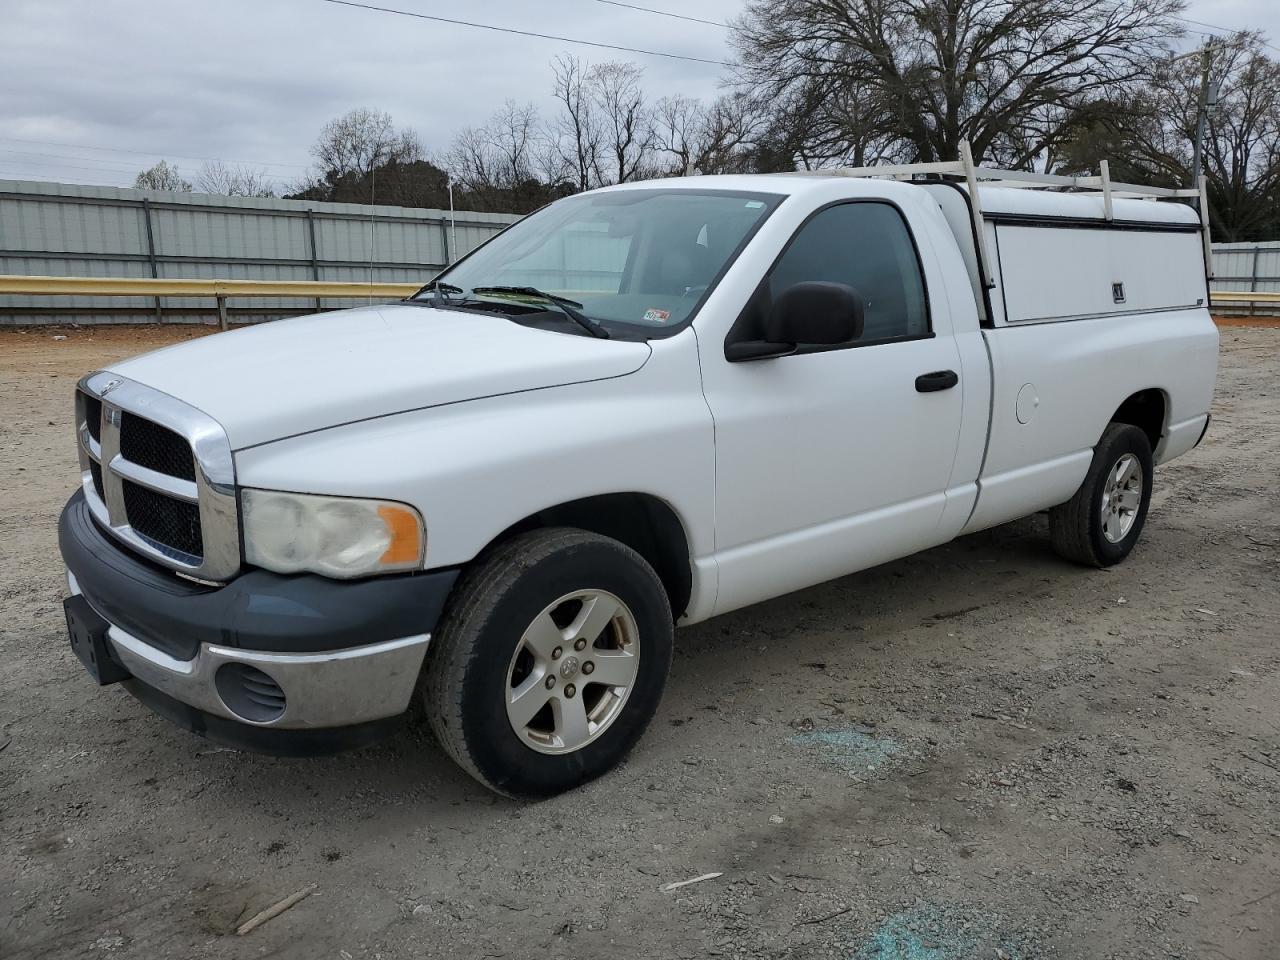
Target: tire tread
{"points": [[1071, 523], [479, 593]]}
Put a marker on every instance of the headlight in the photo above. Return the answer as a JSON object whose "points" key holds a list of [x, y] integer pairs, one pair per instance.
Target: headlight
{"points": [[334, 536]]}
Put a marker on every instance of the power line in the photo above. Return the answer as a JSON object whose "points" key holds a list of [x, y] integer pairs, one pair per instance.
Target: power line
{"points": [[61, 166], [24, 173], [73, 181], [665, 13], [525, 33], [124, 168], [151, 153], [400, 182], [1214, 26], [44, 158], [1201, 23]]}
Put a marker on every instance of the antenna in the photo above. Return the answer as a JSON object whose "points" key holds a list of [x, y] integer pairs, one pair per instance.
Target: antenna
{"points": [[373, 190], [453, 227]]}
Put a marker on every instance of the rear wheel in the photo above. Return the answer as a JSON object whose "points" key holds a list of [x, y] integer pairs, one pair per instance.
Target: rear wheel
{"points": [[550, 662], [1100, 525]]}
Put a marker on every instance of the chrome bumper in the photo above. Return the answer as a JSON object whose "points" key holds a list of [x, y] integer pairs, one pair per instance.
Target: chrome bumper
{"points": [[335, 688]]}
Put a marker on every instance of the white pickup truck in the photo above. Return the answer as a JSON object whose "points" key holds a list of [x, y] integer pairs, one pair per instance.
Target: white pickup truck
{"points": [[639, 407]]}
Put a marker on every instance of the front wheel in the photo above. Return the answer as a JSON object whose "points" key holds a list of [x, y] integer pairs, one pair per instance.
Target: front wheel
{"points": [[1102, 522], [550, 662]]}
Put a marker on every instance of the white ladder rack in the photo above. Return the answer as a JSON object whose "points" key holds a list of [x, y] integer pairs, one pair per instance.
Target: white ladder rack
{"points": [[965, 169]]}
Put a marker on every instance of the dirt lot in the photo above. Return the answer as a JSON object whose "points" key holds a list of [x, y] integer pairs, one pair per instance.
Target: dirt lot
{"points": [[978, 752]]}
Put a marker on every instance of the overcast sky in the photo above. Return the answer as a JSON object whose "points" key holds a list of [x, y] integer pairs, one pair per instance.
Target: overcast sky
{"points": [[85, 82]]}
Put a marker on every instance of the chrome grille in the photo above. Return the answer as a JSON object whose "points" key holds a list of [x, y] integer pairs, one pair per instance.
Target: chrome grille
{"points": [[158, 475], [93, 417], [157, 448], [168, 523]]}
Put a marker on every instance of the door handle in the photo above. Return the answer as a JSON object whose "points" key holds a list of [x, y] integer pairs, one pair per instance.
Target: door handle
{"points": [[938, 380]]}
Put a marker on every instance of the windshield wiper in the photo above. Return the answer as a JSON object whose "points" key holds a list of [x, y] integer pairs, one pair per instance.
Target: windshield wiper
{"points": [[438, 287], [571, 308]]}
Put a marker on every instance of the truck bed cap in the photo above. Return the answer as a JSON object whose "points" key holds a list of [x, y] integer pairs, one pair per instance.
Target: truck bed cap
{"points": [[1002, 202]]}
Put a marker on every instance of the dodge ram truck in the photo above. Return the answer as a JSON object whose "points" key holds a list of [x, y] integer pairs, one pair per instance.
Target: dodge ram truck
{"points": [[639, 407]]}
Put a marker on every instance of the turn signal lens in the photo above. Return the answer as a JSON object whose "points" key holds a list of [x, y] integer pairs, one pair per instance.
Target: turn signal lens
{"points": [[406, 534]]}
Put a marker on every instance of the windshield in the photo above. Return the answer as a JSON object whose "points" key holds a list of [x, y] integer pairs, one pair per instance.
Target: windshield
{"points": [[640, 258]]}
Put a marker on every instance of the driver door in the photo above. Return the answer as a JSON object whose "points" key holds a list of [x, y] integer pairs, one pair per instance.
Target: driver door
{"points": [[835, 459]]}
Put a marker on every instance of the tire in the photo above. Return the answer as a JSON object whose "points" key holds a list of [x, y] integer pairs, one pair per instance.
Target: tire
{"points": [[1086, 528], [498, 644]]}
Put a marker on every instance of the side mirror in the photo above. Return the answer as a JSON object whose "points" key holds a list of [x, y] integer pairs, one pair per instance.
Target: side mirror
{"points": [[814, 313]]}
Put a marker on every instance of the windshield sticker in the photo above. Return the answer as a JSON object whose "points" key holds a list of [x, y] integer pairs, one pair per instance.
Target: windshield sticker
{"points": [[754, 204], [654, 315]]}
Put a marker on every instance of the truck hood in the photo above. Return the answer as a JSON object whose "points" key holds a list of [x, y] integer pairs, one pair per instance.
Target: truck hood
{"points": [[294, 376]]}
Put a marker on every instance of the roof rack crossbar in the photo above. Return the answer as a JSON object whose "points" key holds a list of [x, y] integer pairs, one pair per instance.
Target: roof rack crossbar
{"points": [[973, 175], [1101, 183]]}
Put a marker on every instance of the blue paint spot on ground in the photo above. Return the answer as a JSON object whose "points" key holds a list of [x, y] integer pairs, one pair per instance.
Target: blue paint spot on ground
{"points": [[936, 933], [850, 748]]}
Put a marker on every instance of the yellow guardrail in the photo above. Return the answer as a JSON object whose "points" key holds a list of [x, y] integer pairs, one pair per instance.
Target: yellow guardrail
{"points": [[1244, 296], [146, 287], [220, 290], [1252, 299]]}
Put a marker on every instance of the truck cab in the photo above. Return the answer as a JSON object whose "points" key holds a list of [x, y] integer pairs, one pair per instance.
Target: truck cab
{"points": [[638, 408]]}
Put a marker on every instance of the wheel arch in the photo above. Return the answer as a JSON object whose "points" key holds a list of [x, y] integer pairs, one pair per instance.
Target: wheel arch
{"points": [[645, 523], [1148, 410]]}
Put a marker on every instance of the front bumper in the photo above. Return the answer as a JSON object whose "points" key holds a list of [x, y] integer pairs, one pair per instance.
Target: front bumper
{"points": [[343, 654], [333, 688]]}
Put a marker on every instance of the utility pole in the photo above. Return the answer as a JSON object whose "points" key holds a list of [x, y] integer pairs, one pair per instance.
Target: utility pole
{"points": [[1208, 100]]}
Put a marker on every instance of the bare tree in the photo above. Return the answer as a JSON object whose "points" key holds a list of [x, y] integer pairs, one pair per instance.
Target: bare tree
{"points": [[723, 137], [357, 153], [499, 155], [509, 163], [910, 79], [470, 160], [162, 176], [550, 164], [628, 133], [733, 130], [1242, 150], [361, 140], [513, 136], [679, 127], [1149, 136], [576, 131], [232, 181]]}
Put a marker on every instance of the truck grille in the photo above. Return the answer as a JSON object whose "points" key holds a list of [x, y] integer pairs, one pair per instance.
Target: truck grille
{"points": [[158, 475], [170, 523], [93, 416], [155, 447]]}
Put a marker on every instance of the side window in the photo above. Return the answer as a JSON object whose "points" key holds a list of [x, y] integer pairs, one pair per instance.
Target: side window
{"points": [[867, 246]]}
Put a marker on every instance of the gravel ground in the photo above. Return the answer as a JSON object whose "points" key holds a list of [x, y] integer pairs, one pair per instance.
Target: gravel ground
{"points": [[977, 752]]}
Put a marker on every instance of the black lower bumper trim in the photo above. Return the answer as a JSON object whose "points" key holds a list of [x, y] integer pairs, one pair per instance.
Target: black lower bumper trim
{"points": [[258, 610], [268, 740]]}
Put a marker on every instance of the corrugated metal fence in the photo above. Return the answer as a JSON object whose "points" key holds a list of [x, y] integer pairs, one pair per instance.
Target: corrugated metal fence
{"points": [[1247, 266], [52, 229], [1252, 267]]}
